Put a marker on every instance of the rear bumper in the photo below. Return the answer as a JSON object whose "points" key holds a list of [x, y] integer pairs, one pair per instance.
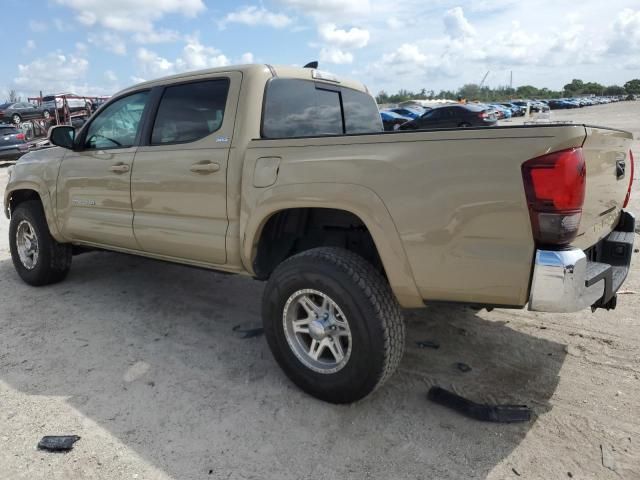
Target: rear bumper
{"points": [[571, 280]]}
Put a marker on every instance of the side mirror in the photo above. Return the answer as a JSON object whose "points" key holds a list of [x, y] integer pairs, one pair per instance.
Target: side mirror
{"points": [[62, 136]]}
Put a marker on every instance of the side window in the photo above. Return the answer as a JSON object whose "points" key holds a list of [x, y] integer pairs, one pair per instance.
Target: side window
{"points": [[190, 111], [297, 108], [360, 112], [117, 125]]}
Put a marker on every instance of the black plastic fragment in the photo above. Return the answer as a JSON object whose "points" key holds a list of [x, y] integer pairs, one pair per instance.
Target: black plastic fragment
{"points": [[482, 412], [428, 344], [463, 367], [57, 443], [248, 332]]}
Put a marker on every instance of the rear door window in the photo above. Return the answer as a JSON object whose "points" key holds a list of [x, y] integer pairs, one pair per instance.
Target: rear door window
{"points": [[297, 108], [190, 111]]}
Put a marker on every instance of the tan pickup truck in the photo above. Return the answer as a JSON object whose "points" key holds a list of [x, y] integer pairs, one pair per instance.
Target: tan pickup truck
{"points": [[285, 174]]}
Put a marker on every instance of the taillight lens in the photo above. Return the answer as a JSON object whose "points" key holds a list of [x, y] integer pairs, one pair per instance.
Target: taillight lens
{"points": [[20, 136], [555, 186], [483, 115], [628, 197]]}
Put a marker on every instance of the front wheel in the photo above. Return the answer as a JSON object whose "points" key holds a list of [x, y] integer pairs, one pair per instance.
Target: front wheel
{"points": [[37, 257], [333, 324]]}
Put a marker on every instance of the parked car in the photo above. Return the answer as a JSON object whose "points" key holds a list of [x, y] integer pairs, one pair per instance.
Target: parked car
{"points": [[18, 111], [257, 171], [561, 104], [410, 113], [75, 103], [453, 116], [506, 112], [516, 110], [392, 120], [11, 139]]}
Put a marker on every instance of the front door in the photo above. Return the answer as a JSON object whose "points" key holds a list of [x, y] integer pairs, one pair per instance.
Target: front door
{"points": [[179, 181], [94, 183]]}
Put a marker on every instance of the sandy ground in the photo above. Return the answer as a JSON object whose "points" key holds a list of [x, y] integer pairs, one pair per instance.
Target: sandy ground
{"points": [[138, 358]]}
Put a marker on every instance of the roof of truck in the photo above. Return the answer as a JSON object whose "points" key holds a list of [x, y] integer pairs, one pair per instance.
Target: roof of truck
{"points": [[264, 70]]}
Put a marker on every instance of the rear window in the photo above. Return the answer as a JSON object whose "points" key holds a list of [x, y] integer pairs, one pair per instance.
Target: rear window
{"points": [[302, 108], [360, 112]]}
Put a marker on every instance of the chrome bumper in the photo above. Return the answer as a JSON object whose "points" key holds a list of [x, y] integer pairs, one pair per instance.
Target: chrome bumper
{"points": [[558, 283], [567, 281]]}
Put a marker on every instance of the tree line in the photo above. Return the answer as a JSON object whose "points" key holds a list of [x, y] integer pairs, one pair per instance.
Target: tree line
{"points": [[472, 91]]}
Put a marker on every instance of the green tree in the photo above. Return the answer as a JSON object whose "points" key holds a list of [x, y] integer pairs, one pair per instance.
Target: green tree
{"points": [[576, 86], [470, 91], [614, 90], [633, 86], [592, 88]]}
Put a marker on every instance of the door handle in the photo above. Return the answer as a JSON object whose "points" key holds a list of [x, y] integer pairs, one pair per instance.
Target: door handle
{"points": [[208, 167], [119, 168]]}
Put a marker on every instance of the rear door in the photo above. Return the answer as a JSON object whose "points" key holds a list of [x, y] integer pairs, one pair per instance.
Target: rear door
{"points": [[179, 185], [94, 183]]}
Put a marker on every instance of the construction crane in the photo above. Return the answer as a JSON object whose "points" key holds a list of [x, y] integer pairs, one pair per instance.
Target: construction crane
{"points": [[484, 78]]}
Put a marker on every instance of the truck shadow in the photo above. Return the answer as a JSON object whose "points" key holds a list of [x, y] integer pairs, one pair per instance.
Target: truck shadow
{"points": [[146, 350]]}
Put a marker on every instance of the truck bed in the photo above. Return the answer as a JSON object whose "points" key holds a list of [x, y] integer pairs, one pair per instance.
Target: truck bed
{"points": [[456, 196]]}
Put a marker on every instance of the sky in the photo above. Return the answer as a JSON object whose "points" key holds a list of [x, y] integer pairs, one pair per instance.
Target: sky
{"points": [[97, 47]]}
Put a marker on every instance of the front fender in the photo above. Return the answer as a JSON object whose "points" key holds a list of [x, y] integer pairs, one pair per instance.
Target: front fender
{"points": [[37, 185], [261, 204]]}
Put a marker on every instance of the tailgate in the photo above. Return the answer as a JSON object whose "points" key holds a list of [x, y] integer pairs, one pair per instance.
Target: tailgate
{"points": [[606, 154]]}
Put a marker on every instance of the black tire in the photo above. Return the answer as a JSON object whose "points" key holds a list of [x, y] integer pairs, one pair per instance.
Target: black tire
{"points": [[54, 259], [464, 125], [373, 314]]}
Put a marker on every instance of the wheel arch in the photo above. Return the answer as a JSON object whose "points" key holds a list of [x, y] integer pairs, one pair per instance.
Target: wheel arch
{"points": [[25, 191], [355, 200]]}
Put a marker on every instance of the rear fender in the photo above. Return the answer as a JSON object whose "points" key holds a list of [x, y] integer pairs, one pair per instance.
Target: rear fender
{"points": [[358, 200]]}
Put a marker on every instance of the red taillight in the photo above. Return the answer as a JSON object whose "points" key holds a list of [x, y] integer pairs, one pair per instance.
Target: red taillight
{"points": [[20, 136], [483, 115], [628, 197], [555, 186]]}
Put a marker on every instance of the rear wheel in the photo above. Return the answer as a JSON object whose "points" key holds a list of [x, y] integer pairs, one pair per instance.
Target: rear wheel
{"points": [[37, 257], [333, 324], [464, 125]]}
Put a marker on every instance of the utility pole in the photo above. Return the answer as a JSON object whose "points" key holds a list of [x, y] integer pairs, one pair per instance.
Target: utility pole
{"points": [[511, 81]]}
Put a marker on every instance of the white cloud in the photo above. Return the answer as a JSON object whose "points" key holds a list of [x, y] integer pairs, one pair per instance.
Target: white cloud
{"points": [[57, 71], [153, 65], [30, 45], [253, 15], [352, 38], [197, 56], [111, 42], [194, 56], [625, 36], [330, 8], [246, 57], [37, 26], [110, 76], [156, 36], [456, 25], [130, 15], [335, 55]]}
